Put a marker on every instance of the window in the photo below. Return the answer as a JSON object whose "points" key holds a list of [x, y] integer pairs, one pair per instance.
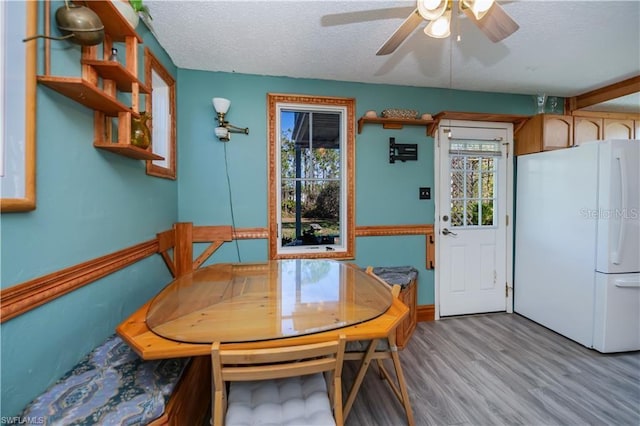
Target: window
{"points": [[162, 104], [311, 176], [473, 166]]}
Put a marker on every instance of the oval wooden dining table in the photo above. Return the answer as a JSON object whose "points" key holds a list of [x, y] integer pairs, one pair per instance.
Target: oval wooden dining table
{"points": [[233, 303], [270, 304]]}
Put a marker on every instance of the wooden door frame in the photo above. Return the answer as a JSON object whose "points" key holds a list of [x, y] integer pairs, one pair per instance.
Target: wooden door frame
{"points": [[510, 192]]}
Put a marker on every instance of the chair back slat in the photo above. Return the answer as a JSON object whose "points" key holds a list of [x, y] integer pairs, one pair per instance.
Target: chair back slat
{"points": [[271, 371], [238, 365], [280, 354]]}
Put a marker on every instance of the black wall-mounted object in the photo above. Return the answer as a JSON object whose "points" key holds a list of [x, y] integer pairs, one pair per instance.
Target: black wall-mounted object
{"points": [[402, 151], [424, 193]]}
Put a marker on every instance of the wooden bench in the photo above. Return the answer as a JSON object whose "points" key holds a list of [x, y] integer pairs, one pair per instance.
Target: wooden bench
{"points": [[407, 278], [113, 385]]}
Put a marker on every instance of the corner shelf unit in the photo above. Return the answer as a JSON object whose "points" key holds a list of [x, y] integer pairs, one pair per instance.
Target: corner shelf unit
{"points": [[101, 80]]}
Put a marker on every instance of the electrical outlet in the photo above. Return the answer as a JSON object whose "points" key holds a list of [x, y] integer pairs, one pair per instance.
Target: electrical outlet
{"points": [[425, 193]]}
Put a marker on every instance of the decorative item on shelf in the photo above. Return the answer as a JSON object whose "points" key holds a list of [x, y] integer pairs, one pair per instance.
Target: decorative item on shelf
{"points": [[541, 100], [78, 24], [371, 114], [142, 11], [114, 55], [426, 116], [399, 113], [553, 105], [128, 11], [224, 129], [140, 132]]}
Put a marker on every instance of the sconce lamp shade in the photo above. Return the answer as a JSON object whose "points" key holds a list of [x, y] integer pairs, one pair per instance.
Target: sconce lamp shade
{"points": [[221, 105], [222, 133]]}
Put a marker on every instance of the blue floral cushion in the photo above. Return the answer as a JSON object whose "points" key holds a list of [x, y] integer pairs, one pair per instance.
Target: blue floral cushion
{"points": [[111, 386]]}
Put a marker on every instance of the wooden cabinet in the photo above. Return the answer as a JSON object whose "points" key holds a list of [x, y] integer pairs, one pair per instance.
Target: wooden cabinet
{"points": [[587, 129], [101, 80], [544, 132], [615, 128]]}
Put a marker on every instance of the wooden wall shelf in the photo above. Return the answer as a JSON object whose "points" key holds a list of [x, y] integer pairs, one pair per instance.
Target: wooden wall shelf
{"points": [[85, 93], [517, 120], [392, 123], [130, 151], [112, 70], [397, 123], [114, 24], [102, 80]]}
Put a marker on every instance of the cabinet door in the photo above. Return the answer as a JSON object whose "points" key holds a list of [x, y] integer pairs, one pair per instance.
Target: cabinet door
{"points": [[618, 129], [558, 132], [586, 129]]}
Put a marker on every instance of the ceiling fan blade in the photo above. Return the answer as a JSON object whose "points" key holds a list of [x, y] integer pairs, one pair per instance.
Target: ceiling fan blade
{"points": [[400, 34], [495, 24]]}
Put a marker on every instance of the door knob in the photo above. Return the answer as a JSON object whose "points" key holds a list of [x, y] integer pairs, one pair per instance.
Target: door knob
{"points": [[445, 231]]}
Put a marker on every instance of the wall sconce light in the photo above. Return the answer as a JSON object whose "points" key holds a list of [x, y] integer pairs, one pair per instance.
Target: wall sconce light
{"points": [[224, 129]]}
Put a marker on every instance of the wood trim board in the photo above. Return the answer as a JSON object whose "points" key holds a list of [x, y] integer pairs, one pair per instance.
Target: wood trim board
{"points": [[26, 296]]}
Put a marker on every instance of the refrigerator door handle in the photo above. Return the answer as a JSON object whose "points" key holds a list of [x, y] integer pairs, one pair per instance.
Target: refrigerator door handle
{"points": [[629, 283], [615, 256]]}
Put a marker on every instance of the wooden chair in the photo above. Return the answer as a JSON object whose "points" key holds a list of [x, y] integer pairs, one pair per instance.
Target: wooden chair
{"points": [[379, 350], [270, 383]]}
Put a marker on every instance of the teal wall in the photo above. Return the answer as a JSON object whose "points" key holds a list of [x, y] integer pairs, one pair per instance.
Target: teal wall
{"points": [[91, 203], [386, 194]]}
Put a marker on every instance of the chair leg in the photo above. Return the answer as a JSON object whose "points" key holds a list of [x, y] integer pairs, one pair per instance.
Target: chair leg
{"points": [[364, 366], [401, 382], [381, 370]]}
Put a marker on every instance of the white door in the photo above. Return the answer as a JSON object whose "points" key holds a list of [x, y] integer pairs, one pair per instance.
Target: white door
{"points": [[472, 236]]}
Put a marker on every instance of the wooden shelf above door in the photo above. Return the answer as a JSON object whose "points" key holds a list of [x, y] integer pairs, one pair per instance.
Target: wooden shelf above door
{"points": [[517, 120], [392, 123]]}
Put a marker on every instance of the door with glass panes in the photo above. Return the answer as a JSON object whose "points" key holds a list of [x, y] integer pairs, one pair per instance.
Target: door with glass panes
{"points": [[471, 223]]}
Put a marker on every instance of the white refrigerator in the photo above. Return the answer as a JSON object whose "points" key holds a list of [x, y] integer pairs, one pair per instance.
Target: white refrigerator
{"points": [[577, 243]]}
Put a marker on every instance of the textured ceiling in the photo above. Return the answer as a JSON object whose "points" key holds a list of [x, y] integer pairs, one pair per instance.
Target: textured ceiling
{"points": [[562, 48]]}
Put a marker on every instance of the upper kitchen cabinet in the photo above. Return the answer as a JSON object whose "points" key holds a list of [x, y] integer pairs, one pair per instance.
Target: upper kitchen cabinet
{"points": [[544, 132], [587, 129], [618, 128]]}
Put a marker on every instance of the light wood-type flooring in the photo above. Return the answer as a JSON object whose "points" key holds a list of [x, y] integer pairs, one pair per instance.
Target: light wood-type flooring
{"points": [[502, 369]]}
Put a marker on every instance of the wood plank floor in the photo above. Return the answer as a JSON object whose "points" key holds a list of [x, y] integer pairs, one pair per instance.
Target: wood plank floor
{"points": [[502, 369]]}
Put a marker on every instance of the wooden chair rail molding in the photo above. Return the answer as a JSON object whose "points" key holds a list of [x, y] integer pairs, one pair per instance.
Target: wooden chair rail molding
{"points": [[23, 297], [176, 248]]}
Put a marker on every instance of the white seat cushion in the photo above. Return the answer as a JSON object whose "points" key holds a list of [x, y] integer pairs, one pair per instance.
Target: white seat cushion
{"points": [[293, 401]]}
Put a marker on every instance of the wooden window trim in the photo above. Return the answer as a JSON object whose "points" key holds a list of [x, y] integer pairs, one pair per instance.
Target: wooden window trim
{"points": [[272, 100], [151, 63]]}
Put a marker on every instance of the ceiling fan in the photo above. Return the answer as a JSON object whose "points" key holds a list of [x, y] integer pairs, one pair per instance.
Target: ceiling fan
{"points": [[488, 15]]}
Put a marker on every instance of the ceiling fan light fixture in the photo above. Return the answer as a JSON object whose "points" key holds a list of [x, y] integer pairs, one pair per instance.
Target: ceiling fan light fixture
{"points": [[441, 27], [478, 7], [432, 9]]}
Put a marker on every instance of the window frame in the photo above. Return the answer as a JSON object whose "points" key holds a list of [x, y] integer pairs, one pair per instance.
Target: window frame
{"points": [[274, 101], [152, 64]]}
